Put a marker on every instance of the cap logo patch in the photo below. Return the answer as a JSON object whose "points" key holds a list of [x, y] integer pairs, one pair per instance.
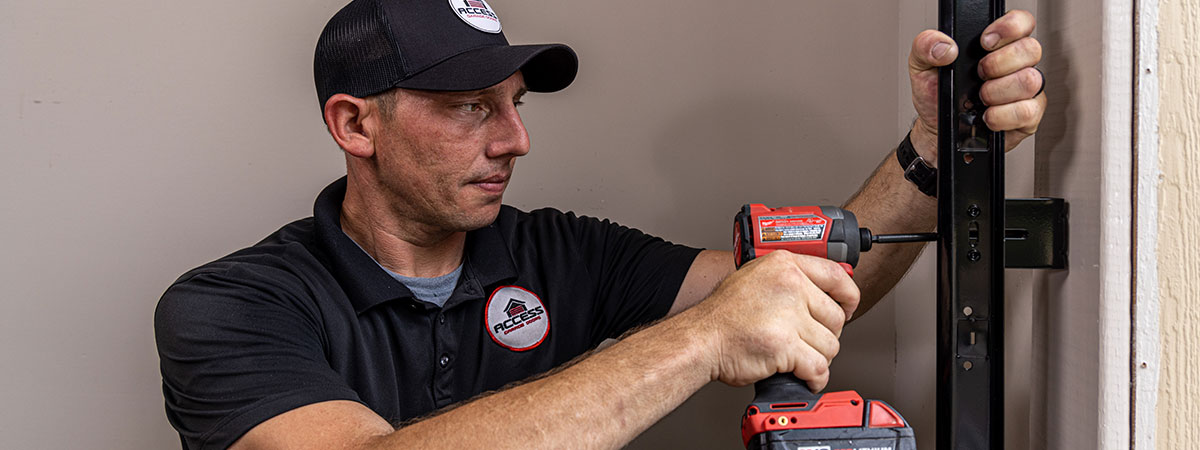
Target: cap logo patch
{"points": [[516, 318], [477, 14]]}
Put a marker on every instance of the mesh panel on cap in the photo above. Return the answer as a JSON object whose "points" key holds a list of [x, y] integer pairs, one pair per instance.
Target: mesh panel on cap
{"points": [[354, 54]]}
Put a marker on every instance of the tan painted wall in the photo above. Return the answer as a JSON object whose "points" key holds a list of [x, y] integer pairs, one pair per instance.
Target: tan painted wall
{"points": [[1066, 307], [141, 138], [1178, 408]]}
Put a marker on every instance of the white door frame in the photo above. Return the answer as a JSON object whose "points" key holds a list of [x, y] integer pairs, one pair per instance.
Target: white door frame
{"points": [[1145, 333], [1117, 191]]}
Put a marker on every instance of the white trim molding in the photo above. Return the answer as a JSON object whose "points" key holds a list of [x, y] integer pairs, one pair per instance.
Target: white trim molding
{"points": [[1116, 161], [1145, 338]]}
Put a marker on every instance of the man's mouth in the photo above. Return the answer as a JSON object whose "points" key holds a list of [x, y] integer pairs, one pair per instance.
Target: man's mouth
{"points": [[492, 184]]}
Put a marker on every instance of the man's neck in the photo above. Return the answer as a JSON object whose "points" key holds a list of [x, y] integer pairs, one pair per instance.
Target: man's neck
{"points": [[398, 243]]}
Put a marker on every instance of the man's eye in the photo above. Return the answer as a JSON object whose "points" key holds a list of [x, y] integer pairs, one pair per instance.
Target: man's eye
{"points": [[470, 107]]}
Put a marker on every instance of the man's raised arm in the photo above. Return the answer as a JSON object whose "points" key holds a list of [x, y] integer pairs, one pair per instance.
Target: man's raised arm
{"points": [[889, 203]]}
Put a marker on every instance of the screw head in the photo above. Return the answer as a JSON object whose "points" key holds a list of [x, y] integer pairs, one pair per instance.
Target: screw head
{"points": [[974, 210], [974, 255]]}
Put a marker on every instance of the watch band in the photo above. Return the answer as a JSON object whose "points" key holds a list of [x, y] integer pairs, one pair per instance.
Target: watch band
{"points": [[915, 168]]}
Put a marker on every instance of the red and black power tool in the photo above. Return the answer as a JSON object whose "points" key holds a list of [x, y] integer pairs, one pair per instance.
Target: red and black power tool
{"points": [[785, 414]]}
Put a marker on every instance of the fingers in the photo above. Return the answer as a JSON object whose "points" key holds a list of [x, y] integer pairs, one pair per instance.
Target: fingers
{"points": [[832, 279], [931, 49], [775, 315], [1023, 116], [1021, 85], [1010, 81], [1012, 87], [1026, 52], [814, 369], [1013, 26], [822, 339], [825, 310]]}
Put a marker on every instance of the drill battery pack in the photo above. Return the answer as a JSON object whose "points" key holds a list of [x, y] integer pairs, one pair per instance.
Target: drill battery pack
{"points": [[785, 414]]}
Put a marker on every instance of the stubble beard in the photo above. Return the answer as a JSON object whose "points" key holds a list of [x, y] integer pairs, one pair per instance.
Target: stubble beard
{"points": [[435, 218]]}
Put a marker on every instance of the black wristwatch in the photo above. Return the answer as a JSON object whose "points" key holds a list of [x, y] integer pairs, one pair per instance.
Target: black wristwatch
{"points": [[915, 168]]}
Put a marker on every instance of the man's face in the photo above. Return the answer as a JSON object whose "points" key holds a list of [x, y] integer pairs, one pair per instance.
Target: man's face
{"points": [[445, 158]]}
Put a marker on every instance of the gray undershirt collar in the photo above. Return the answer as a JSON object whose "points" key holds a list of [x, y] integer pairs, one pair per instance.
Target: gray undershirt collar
{"points": [[434, 290]]}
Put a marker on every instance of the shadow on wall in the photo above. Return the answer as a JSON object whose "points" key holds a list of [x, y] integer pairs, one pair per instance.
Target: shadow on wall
{"points": [[1058, 130]]}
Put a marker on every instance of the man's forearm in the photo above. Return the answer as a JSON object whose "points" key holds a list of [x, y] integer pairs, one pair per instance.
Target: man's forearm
{"points": [[781, 313], [888, 203], [603, 401]]}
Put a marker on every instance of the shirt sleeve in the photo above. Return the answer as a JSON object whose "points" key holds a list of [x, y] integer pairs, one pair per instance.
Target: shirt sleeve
{"points": [[238, 346], [637, 275]]}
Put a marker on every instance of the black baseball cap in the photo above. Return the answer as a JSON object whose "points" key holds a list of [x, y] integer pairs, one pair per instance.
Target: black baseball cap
{"points": [[371, 46]]}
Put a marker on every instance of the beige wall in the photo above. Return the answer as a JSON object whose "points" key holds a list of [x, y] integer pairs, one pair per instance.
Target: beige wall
{"points": [[139, 139], [1178, 406], [1066, 357]]}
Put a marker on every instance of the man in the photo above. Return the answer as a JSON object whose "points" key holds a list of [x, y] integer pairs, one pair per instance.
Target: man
{"points": [[412, 289]]}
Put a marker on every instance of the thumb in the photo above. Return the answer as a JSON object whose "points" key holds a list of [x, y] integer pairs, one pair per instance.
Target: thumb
{"points": [[931, 49]]}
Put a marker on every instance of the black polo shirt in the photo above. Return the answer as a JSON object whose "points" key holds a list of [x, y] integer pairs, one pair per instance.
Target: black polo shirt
{"points": [[306, 316]]}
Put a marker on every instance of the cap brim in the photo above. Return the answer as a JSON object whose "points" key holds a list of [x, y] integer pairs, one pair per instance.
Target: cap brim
{"points": [[546, 68]]}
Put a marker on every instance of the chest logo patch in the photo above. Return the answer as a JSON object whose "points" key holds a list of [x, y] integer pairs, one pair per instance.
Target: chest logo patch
{"points": [[478, 14], [516, 318]]}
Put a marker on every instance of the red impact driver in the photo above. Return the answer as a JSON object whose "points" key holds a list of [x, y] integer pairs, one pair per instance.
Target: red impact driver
{"points": [[785, 414]]}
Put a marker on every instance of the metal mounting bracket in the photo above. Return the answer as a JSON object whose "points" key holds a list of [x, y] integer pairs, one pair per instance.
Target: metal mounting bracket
{"points": [[979, 235], [1035, 233]]}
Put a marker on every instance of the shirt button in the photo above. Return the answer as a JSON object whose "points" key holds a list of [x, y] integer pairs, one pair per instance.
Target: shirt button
{"points": [[442, 319], [444, 361]]}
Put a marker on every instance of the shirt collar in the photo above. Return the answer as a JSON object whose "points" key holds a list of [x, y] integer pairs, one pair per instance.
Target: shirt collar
{"points": [[366, 284]]}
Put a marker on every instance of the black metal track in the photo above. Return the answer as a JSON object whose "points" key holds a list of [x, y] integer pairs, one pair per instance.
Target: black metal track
{"points": [[970, 398]]}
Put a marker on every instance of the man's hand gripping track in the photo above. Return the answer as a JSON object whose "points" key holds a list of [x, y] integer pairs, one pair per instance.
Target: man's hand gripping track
{"points": [[780, 313]]}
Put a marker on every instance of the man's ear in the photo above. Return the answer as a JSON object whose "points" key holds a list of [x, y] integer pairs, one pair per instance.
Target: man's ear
{"points": [[346, 118]]}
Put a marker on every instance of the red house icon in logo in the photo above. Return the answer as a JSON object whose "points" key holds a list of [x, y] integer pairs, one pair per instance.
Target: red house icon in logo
{"points": [[475, 4], [514, 307]]}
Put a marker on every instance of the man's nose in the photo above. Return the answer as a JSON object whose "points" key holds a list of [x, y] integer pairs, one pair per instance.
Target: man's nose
{"points": [[510, 136]]}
